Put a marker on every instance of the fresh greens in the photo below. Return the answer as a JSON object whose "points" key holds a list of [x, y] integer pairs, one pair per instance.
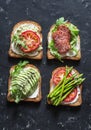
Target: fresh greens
{"points": [[16, 39], [18, 68], [23, 81], [65, 87], [58, 23], [74, 30], [54, 50], [74, 36]]}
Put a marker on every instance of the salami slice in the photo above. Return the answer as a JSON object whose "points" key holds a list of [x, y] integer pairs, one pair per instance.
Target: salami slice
{"points": [[62, 39]]}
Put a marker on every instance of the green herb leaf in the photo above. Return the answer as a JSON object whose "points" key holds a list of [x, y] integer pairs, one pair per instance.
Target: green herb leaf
{"points": [[74, 30], [60, 21], [16, 39], [54, 29], [18, 68], [54, 50]]}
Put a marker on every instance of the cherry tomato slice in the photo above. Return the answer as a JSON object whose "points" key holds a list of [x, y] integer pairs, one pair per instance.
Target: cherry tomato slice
{"points": [[32, 41], [59, 74], [71, 96]]}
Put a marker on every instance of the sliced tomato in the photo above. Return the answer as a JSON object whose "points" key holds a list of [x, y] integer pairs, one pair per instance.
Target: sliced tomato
{"points": [[59, 74], [71, 96], [32, 41]]}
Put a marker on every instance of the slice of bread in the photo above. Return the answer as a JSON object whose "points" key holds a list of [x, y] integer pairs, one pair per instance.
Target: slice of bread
{"points": [[50, 56], [78, 102], [13, 54], [36, 99]]}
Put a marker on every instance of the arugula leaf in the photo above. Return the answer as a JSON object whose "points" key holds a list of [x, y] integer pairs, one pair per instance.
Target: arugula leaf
{"points": [[16, 39], [16, 93], [74, 35], [54, 29], [74, 30], [18, 68], [60, 21], [54, 50]]}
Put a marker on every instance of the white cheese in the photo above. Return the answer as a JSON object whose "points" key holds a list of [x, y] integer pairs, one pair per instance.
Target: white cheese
{"points": [[52, 87], [50, 37], [16, 50], [35, 94], [25, 27]]}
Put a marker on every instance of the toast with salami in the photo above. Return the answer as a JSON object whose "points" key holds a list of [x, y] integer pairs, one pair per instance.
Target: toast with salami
{"points": [[63, 41]]}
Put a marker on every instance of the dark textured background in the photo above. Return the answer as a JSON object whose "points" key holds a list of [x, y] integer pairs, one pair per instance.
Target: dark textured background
{"points": [[40, 116]]}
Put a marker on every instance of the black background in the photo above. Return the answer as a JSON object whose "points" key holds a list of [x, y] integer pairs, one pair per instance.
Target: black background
{"points": [[40, 116]]}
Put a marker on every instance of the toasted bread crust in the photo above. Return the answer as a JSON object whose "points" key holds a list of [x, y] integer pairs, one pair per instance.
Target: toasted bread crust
{"points": [[50, 56], [37, 99], [14, 55], [78, 102]]}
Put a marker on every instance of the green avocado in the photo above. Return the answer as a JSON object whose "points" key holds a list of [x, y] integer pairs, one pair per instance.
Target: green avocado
{"points": [[24, 83]]}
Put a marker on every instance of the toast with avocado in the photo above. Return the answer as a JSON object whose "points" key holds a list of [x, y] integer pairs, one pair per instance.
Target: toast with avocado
{"points": [[65, 87], [26, 41], [63, 41], [24, 83]]}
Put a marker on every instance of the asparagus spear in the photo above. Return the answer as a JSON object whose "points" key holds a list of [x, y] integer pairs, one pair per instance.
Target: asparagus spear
{"points": [[58, 86], [65, 87], [68, 92]]}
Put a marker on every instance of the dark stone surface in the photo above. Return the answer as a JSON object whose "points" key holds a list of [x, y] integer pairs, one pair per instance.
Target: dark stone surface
{"points": [[40, 116]]}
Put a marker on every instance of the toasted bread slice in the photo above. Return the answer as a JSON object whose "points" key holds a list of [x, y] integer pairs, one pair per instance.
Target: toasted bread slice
{"points": [[40, 53], [37, 98], [78, 102], [50, 56]]}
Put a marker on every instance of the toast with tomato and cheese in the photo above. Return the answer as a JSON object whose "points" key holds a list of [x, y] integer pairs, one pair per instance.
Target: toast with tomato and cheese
{"points": [[65, 87], [63, 41], [26, 41], [24, 83]]}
